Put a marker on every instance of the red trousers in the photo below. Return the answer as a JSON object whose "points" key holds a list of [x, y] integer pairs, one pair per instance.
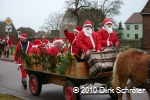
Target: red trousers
{"points": [[23, 72]]}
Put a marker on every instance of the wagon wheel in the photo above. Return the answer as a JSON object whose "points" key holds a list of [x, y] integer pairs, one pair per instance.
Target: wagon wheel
{"points": [[35, 85], [68, 91]]}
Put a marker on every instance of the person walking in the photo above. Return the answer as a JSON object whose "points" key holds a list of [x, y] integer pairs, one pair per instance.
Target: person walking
{"points": [[24, 45], [8, 44]]}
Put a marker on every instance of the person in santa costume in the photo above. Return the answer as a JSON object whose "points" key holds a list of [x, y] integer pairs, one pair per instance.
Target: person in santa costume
{"points": [[58, 46], [71, 36], [8, 44], [24, 45], [45, 42], [38, 47], [88, 40], [107, 35]]}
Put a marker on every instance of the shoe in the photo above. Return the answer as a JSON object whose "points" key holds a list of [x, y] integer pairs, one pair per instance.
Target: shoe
{"points": [[25, 84], [7, 57]]}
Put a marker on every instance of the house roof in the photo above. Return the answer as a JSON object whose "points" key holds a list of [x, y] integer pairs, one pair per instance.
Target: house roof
{"points": [[27, 30], [134, 18], [146, 9]]}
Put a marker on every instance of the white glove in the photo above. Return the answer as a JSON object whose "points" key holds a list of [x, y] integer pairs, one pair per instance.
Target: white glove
{"points": [[19, 65]]}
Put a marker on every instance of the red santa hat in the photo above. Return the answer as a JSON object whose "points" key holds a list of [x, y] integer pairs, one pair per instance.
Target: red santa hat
{"points": [[23, 36], [87, 23], [45, 41], [107, 20], [55, 40], [78, 29], [37, 42]]}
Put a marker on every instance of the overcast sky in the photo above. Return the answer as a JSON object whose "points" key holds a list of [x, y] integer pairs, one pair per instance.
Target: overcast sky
{"points": [[32, 13]]}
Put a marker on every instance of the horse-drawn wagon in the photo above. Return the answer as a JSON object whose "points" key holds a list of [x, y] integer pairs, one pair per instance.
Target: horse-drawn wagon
{"points": [[44, 70]]}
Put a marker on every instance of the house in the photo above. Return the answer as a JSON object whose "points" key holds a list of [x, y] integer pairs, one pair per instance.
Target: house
{"points": [[146, 26], [94, 15], [67, 21], [13, 35], [40, 33], [29, 31], [133, 27]]}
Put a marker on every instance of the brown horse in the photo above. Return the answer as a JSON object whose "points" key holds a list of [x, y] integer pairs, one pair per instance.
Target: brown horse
{"points": [[133, 65]]}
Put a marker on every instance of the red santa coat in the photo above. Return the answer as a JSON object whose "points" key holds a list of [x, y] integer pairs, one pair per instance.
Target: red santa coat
{"points": [[9, 43], [72, 40], [54, 50], [84, 42], [37, 50], [18, 47], [106, 38], [46, 42]]}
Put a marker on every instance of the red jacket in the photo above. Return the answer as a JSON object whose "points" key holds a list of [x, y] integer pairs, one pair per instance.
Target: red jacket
{"points": [[55, 50], [18, 47], [46, 42], [37, 50], [84, 42], [8, 42], [72, 40], [106, 38]]}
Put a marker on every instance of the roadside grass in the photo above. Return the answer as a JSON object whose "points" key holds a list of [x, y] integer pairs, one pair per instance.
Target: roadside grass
{"points": [[9, 97], [12, 50]]}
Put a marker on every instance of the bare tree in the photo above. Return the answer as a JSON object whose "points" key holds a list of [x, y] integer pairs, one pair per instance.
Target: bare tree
{"points": [[74, 6], [94, 10], [53, 21]]}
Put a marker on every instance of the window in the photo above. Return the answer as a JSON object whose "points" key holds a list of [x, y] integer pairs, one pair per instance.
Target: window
{"points": [[136, 36], [128, 27], [128, 35], [136, 27]]}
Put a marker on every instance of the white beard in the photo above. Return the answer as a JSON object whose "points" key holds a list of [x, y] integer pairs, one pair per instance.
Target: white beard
{"points": [[109, 29], [7, 38], [87, 32]]}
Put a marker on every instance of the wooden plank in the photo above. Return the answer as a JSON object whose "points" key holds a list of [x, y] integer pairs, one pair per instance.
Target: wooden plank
{"points": [[82, 70], [105, 74], [60, 80], [71, 70]]}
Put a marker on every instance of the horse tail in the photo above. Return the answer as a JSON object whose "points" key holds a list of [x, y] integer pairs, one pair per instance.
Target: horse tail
{"points": [[115, 76]]}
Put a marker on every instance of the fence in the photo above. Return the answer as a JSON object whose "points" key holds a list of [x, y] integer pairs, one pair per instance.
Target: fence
{"points": [[130, 43]]}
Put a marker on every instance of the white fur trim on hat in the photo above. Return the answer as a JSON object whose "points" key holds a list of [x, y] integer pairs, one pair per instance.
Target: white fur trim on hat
{"points": [[34, 46], [108, 22], [22, 37], [75, 30], [87, 25], [58, 41]]}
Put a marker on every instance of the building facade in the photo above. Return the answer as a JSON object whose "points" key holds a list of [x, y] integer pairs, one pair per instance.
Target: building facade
{"points": [[133, 27], [146, 26]]}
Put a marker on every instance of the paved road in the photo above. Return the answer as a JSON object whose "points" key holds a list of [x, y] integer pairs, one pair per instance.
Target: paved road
{"points": [[10, 82]]}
